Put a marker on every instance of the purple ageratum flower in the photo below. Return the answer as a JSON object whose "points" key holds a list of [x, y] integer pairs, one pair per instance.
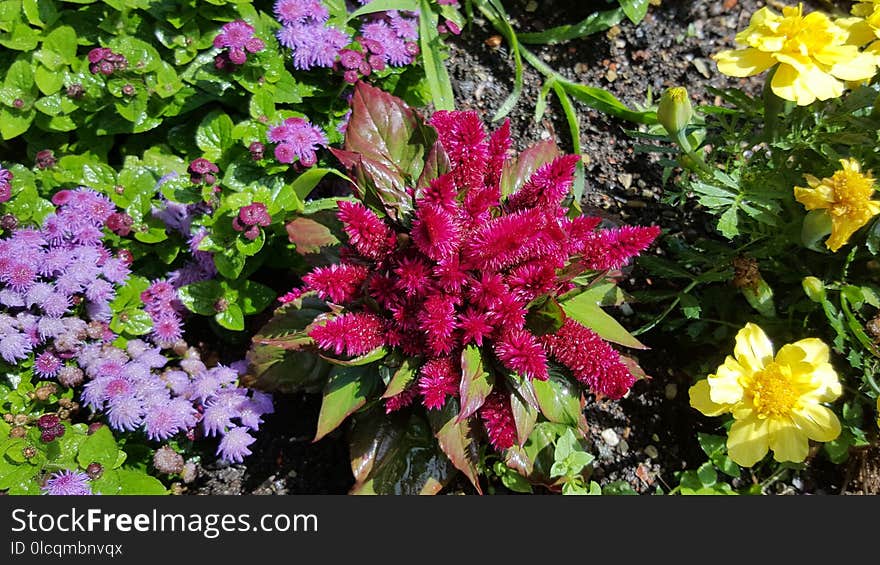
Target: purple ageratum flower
{"points": [[14, 346], [297, 138], [238, 37], [405, 28], [5, 184], [69, 483], [47, 365], [125, 413], [167, 329], [234, 445], [164, 420], [313, 45], [300, 11], [395, 47], [217, 419]]}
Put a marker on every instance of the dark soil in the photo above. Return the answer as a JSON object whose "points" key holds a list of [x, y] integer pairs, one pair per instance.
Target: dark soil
{"points": [[651, 434]]}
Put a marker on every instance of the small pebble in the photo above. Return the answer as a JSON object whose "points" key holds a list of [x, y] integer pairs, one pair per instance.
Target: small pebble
{"points": [[652, 452], [623, 447], [531, 6], [609, 436], [671, 391]]}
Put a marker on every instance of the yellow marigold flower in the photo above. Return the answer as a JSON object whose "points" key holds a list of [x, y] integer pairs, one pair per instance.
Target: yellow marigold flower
{"points": [[775, 401], [813, 54], [846, 198]]}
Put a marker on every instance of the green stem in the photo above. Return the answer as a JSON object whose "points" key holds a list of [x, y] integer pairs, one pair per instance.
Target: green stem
{"points": [[772, 108]]}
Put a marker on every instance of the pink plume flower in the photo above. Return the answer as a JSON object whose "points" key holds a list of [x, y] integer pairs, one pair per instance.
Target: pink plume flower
{"points": [[475, 326], [497, 417], [401, 400], [366, 232], [464, 139], [439, 379], [548, 186], [520, 351], [436, 233], [339, 283], [613, 248], [437, 320], [351, 334], [591, 360]]}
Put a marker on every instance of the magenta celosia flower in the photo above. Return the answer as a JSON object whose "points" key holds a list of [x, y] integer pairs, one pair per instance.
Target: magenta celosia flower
{"points": [[465, 269], [590, 359], [521, 352], [439, 379], [613, 248], [337, 283], [68, 483], [366, 232], [351, 334], [497, 417]]}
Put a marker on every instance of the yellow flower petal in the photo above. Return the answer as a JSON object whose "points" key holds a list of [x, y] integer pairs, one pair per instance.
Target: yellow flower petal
{"points": [[858, 31], [786, 84], [811, 350], [753, 348], [747, 441], [787, 441], [860, 66], [814, 198], [817, 422], [725, 387], [700, 399], [743, 62]]}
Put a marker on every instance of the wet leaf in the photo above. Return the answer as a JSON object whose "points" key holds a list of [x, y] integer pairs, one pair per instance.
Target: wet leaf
{"points": [[476, 382], [559, 400], [346, 391], [396, 454], [455, 436]]}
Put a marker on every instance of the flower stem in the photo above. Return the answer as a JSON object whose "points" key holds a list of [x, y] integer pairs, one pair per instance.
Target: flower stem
{"points": [[772, 108]]}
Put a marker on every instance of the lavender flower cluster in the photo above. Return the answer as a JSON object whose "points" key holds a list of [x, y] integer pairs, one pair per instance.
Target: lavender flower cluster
{"points": [[5, 184], [386, 38], [56, 285]]}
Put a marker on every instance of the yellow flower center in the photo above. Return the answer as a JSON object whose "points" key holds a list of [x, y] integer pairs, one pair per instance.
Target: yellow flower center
{"points": [[773, 391], [852, 190], [804, 37]]}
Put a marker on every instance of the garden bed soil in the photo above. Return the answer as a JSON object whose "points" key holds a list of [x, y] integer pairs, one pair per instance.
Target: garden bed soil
{"points": [[648, 436]]}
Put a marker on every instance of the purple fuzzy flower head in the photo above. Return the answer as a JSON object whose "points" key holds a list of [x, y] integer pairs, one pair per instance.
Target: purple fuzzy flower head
{"points": [[300, 11], [5, 184], [297, 138], [234, 445], [69, 483], [239, 40], [313, 44]]}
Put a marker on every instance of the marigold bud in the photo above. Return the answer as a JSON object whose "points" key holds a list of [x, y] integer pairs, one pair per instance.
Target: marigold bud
{"points": [[674, 112], [814, 289]]}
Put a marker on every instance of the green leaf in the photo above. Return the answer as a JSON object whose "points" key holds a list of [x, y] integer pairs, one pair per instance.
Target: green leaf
{"points": [[525, 412], [707, 475], [476, 382], [201, 297], [214, 135], [254, 297], [402, 377], [137, 322], [99, 447], [690, 306], [435, 71], [137, 482], [309, 236], [635, 10], [585, 309], [346, 392], [384, 5], [594, 23], [229, 262], [365, 359], [559, 401], [14, 122], [59, 48], [456, 439], [49, 82], [232, 318], [396, 454]]}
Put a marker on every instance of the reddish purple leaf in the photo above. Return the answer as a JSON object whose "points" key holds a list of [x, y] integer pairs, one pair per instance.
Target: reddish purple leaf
{"points": [[456, 439], [517, 171], [476, 382], [309, 236]]}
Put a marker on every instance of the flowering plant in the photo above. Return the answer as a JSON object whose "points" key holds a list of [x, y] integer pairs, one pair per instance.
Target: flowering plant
{"points": [[466, 294]]}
